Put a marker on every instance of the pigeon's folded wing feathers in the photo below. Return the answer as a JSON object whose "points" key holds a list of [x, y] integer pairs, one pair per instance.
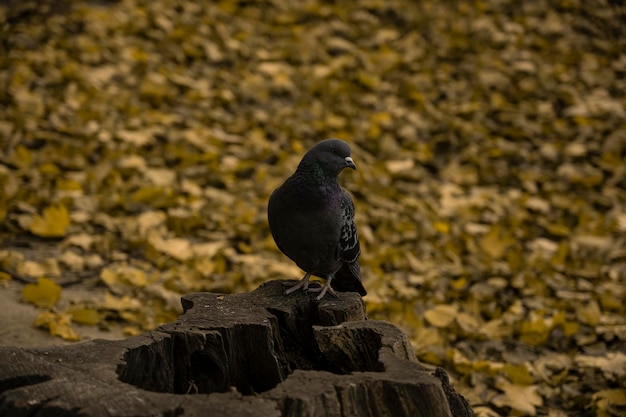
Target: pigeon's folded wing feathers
{"points": [[349, 248], [348, 278]]}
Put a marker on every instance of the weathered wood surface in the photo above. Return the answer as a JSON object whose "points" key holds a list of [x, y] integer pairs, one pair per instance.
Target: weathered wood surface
{"points": [[254, 354]]}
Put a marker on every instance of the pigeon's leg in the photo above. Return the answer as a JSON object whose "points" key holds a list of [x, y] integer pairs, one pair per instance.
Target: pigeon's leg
{"points": [[325, 289], [304, 284]]}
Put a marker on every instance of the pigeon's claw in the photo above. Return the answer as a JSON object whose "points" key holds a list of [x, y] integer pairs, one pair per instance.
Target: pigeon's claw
{"points": [[324, 289], [304, 284]]}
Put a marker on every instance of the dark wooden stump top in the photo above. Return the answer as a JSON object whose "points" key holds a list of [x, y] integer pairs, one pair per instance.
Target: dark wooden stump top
{"points": [[255, 354]]}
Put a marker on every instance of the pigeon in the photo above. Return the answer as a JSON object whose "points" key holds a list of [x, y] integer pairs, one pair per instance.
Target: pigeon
{"points": [[312, 221]]}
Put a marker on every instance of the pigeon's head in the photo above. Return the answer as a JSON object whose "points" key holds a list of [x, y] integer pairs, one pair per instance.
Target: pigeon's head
{"points": [[331, 155]]}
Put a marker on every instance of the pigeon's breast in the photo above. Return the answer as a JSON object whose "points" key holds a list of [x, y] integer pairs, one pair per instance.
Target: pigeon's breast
{"points": [[307, 232]]}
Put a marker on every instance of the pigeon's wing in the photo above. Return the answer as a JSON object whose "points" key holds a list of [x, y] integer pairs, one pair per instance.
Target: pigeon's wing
{"points": [[348, 278], [349, 248]]}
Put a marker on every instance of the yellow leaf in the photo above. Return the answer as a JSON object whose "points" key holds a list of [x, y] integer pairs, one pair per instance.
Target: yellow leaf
{"points": [[515, 258], [520, 398], [44, 318], [496, 329], [467, 322], [149, 220], [485, 412], [442, 227], [570, 328], [368, 79], [534, 332], [131, 331], [207, 250], [488, 367], [141, 137], [160, 177], [119, 277], [151, 194], [49, 168], [82, 240], [589, 313], [427, 337], [611, 301], [63, 327], [46, 293], [459, 284], [57, 325], [21, 157], [53, 223], [461, 363], [382, 118], [518, 374], [403, 165], [3, 210], [125, 303], [560, 256], [442, 315], [64, 184], [553, 367], [4, 277], [430, 357], [613, 364], [558, 229], [85, 316], [496, 242], [558, 318], [610, 399], [177, 248], [31, 269]]}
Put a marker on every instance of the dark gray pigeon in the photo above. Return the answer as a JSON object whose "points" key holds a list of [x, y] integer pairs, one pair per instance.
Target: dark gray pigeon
{"points": [[312, 221]]}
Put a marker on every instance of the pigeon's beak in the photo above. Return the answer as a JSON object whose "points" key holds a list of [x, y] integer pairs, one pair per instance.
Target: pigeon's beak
{"points": [[350, 163]]}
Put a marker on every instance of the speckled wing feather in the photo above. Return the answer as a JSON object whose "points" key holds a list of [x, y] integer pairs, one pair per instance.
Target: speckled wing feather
{"points": [[349, 248], [348, 278]]}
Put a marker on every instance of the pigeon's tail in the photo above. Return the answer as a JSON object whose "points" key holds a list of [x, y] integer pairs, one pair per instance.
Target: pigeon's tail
{"points": [[348, 278]]}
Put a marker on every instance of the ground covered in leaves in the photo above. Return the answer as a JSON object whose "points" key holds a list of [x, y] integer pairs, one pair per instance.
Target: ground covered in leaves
{"points": [[141, 140]]}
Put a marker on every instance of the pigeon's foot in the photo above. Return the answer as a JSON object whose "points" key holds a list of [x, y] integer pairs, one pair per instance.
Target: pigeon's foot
{"points": [[304, 284], [323, 290]]}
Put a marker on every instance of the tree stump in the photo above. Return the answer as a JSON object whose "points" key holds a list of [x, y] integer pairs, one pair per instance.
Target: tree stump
{"points": [[255, 354]]}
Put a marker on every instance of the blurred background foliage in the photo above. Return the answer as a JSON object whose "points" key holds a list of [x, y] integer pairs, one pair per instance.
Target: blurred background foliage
{"points": [[142, 138]]}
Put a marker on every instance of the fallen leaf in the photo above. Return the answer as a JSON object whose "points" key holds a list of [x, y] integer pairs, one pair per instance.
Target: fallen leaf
{"points": [[177, 248], [467, 322], [534, 331], [610, 402], [589, 313], [57, 324], [45, 293], [521, 398], [400, 165], [442, 315], [53, 222], [149, 220], [613, 364], [119, 277], [85, 315], [120, 304], [518, 374], [485, 412], [81, 240], [496, 242]]}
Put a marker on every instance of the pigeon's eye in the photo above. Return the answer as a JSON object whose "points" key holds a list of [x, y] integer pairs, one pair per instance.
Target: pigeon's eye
{"points": [[333, 151]]}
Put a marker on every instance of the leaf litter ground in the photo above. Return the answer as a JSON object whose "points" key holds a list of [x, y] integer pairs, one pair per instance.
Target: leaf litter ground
{"points": [[141, 139]]}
